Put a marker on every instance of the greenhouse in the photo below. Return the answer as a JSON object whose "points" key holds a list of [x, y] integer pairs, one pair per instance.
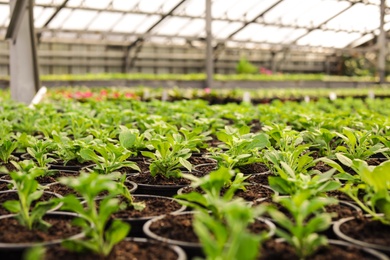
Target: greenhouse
{"points": [[194, 129]]}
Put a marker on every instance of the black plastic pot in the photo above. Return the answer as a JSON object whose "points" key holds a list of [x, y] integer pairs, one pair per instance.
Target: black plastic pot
{"points": [[337, 230], [137, 223], [192, 249], [16, 250], [45, 192]]}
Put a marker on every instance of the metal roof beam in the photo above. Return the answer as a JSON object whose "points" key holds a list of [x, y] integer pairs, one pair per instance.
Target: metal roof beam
{"points": [[128, 41], [58, 9], [318, 27], [254, 19], [223, 19]]}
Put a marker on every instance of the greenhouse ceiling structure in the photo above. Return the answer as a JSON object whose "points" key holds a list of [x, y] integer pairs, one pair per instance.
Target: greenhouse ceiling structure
{"points": [[324, 24], [170, 36]]}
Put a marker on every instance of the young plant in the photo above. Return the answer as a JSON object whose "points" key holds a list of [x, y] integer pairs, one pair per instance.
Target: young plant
{"points": [[307, 220], [29, 192], [68, 149], [358, 144], [241, 147], [7, 146], [229, 238], [289, 182], [321, 139], [375, 181], [108, 157], [169, 157], [101, 236], [212, 186], [40, 150]]}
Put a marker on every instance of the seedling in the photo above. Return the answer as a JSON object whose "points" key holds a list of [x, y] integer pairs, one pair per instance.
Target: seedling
{"points": [[307, 219], [29, 191], [101, 236], [169, 157], [375, 181]]}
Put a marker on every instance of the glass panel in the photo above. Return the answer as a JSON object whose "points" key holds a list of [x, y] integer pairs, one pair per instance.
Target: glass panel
{"points": [[193, 28], [60, 18], [104, 21], [101, 4], [328, 39], [192, 7], [136, 23], [150, 5], [352, 18], [4, 14], [44, 15], [227, 30], [259, 8], [123, 5], [171, 26], [79, 19]]}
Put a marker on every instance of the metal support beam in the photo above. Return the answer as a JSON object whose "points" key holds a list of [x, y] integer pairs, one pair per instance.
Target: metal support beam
{"points": [[139, 41], [382, 45], [24, 74], [209, 46]]}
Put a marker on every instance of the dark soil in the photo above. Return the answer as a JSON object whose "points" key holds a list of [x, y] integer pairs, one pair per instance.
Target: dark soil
{"points": [[71, 165], [195, 160], [51, 177], [260, 178], [322, 167], [65, 190], [205, 168], [9, 166], [13, 232], [254, 192], [125, 250], [367, 230], [4, 186], [179, 227], [14, 196], [375, 161], [146, 178], [154, 207], [253, 168], [273, 250]]}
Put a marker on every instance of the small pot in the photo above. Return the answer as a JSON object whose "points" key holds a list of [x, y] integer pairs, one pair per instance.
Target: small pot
{"points": [[192, 249], [132, 187], [18, 249], [337, 230], [157, 189], [137, 223], [4, 185], [45, 192], [54, 251]]}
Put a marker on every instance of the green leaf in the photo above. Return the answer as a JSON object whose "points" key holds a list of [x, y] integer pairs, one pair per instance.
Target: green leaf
{"points": [[344, 159], [185, 163], [127, 139], [89, 155], [12, 206], [117, 231]]}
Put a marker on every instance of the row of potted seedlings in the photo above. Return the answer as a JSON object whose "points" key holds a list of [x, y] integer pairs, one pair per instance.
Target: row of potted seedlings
{"points": [[243, 184]]}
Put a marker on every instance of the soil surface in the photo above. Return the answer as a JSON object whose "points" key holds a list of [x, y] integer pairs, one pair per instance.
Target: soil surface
{"points": [[273, 250], [155, 206], [146, 178], [14, 196], [195, 160], [125, 250], [50, 178], [4, 186], [13, 232], [179, 227], [367, 230], [260, 178], [253, 168], [205, 169]]}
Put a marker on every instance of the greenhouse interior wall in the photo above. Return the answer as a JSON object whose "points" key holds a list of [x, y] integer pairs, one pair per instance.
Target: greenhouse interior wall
{"points": [[71, 58]]}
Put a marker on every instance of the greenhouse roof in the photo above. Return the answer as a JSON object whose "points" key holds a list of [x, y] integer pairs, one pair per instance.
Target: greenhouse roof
{"points": [[321, 24]]}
